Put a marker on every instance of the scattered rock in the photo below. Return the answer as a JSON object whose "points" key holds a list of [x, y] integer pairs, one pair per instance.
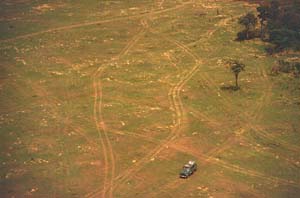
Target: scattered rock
{"points": [[205, 189], [18, 59], [7, 176], [56, 73], [133, 8], [33, 190], [155, 108]]}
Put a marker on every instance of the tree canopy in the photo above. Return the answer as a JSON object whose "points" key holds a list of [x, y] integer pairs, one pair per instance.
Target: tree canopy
{"points": [[280, 25], [249, 21], [236, 67]]}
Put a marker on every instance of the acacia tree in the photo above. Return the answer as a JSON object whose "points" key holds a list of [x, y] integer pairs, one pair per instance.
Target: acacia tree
{"points": [[236, 67], [274, 10], [263, 16], [249, 21]]}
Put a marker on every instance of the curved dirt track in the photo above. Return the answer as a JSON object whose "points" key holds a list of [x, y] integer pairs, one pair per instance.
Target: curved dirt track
{"points": [[113, 182], [79, 25], [238, 169], [256, 114], [244, 117], [176, 103], [109, 162], [99, 121]]}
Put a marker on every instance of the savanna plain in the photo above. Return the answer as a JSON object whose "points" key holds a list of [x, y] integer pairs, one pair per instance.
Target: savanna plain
{"points": [[111, 98]]}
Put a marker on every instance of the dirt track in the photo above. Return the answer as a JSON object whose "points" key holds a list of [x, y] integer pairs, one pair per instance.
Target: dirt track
{"points": [[113, 182], [79, 25], [176, 104]]}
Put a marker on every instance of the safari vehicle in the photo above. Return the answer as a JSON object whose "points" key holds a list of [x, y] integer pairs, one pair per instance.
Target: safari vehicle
{"points": [[188, 169]]}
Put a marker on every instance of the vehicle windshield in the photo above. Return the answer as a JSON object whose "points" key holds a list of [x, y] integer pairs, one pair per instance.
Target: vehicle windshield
{"points": [[186, 170]]}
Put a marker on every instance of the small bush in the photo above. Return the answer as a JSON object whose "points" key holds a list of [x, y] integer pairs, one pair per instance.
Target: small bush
{"points": [[286, 67], [254, 34], [242, 36]]}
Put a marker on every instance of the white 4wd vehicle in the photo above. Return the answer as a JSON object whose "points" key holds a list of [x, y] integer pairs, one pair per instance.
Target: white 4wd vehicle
{"points": [[188, 169]]}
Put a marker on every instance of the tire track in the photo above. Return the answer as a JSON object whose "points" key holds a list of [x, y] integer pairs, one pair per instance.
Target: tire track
{"points": [[79, 25], [243, 117], [198, 61], [231, 139], [256, 114], [237, 168], [265, 98], [49, 99], [101, 127], [172, 93], [179, 120], [52, 101], [103, 137], [247, 119], [176, 103], [210, 159]]}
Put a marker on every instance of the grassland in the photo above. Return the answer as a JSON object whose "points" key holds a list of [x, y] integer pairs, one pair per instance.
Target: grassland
{"points": [[110, 99]]}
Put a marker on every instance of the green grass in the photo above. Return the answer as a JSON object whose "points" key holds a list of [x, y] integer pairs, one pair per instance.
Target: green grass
{"points": [[50, 143]]}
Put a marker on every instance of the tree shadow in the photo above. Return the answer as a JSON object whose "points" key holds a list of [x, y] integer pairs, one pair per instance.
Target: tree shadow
{"points": [[229, 88]]}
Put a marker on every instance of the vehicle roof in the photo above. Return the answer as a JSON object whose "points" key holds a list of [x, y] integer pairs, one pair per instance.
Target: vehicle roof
{"points": [[192, 162], [189, 164]]}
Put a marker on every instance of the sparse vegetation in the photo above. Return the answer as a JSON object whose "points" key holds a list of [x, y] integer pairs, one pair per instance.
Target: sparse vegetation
{"points": [[279, 25], [249, 21], [236, 68], [287, 66], [109, 98]]}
